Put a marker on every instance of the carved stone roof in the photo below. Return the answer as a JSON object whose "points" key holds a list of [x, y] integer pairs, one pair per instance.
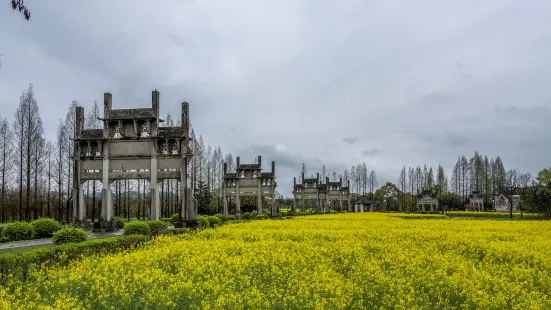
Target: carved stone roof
{"points": [[310, 180], [170, 132], [248, 166], [363, 200], [298, 185], [127, 114], [427, 192], [334, 183], [266, 175], [90, 134]]}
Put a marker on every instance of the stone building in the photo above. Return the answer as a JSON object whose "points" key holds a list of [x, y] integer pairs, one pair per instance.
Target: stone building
{"points": [[249, 181], [501, 203], [322, 193], [364, 204], [476, 202], [427, 200], [132, 145]]}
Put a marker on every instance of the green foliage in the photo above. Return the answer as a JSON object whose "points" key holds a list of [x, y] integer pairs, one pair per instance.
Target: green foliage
{"points": [[284, 213], [137, 228], [451, 201], [204, 221], [157, 226], [204, 198], [221, 217], [120, 222], [69, 235], [246, 216], [45, 227], [175, 218], [213, 221], [230, 218], [18, 231], [178, 231], [262, 217], [544, 177], [20, 264]]}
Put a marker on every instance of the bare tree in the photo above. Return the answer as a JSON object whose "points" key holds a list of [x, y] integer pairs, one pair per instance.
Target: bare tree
{"points": [[19, 5], [5, 162], [372, 182]]}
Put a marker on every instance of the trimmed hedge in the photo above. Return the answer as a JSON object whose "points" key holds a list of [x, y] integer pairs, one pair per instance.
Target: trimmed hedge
{"points": [[262, 217], [204, 221], [213, 221], [175, 218], [45, 227], [137, 228], [18, 231], [246, 216], [156, 226], [119, 221], [221, 217], [69, 235], [20, 265]]}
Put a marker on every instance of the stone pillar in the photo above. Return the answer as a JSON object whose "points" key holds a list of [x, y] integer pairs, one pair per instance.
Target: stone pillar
{"points": [[294, 207], [237, 199], [224, 191], [302, 193], [154, 186], [191, 210], [259, 193], [106, 199]]}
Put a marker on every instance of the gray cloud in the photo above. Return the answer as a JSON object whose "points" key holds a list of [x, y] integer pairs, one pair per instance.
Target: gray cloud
{"points": [[370, 152], [350, 140], [290, 83]]}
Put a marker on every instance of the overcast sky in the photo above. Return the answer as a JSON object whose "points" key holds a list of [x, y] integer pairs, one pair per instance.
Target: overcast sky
{"points": [[389, 83]]}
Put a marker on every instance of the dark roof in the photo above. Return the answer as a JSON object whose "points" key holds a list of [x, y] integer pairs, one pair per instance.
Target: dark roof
{"points": [[266, 174], [363, 200], [170, 132], [298, 185], [427, 193], [123, 114], [92, 134], [334, 183], [310, 180], [248, 166]]}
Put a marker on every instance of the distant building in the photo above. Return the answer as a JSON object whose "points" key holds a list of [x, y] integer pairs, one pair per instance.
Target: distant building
{"points": [[501, 203], [363, 204], [427, 200], [476, 202]]}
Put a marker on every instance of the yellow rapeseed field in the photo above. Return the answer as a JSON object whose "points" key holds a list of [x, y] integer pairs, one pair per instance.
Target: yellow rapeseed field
{"points": [[341, 261]]}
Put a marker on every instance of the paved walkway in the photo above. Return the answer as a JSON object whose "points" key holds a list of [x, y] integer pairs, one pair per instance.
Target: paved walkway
{"points": [[91, 235]]}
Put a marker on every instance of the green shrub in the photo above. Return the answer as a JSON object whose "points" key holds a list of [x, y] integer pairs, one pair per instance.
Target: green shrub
{"points": [[120, 222], [246, 216], [262, 217], [222, 217], [204, 221], [18, 231], [45, 227], [137, 228], [333, 212], [230, 218], [175, 218], [213, 221], [69, 235], [157, 226], [177, 231], [283, 213]]}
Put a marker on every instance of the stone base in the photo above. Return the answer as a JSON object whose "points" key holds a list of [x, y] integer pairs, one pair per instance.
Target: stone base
{"points": [[82, 224], [105, 226], [187, 224]]}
